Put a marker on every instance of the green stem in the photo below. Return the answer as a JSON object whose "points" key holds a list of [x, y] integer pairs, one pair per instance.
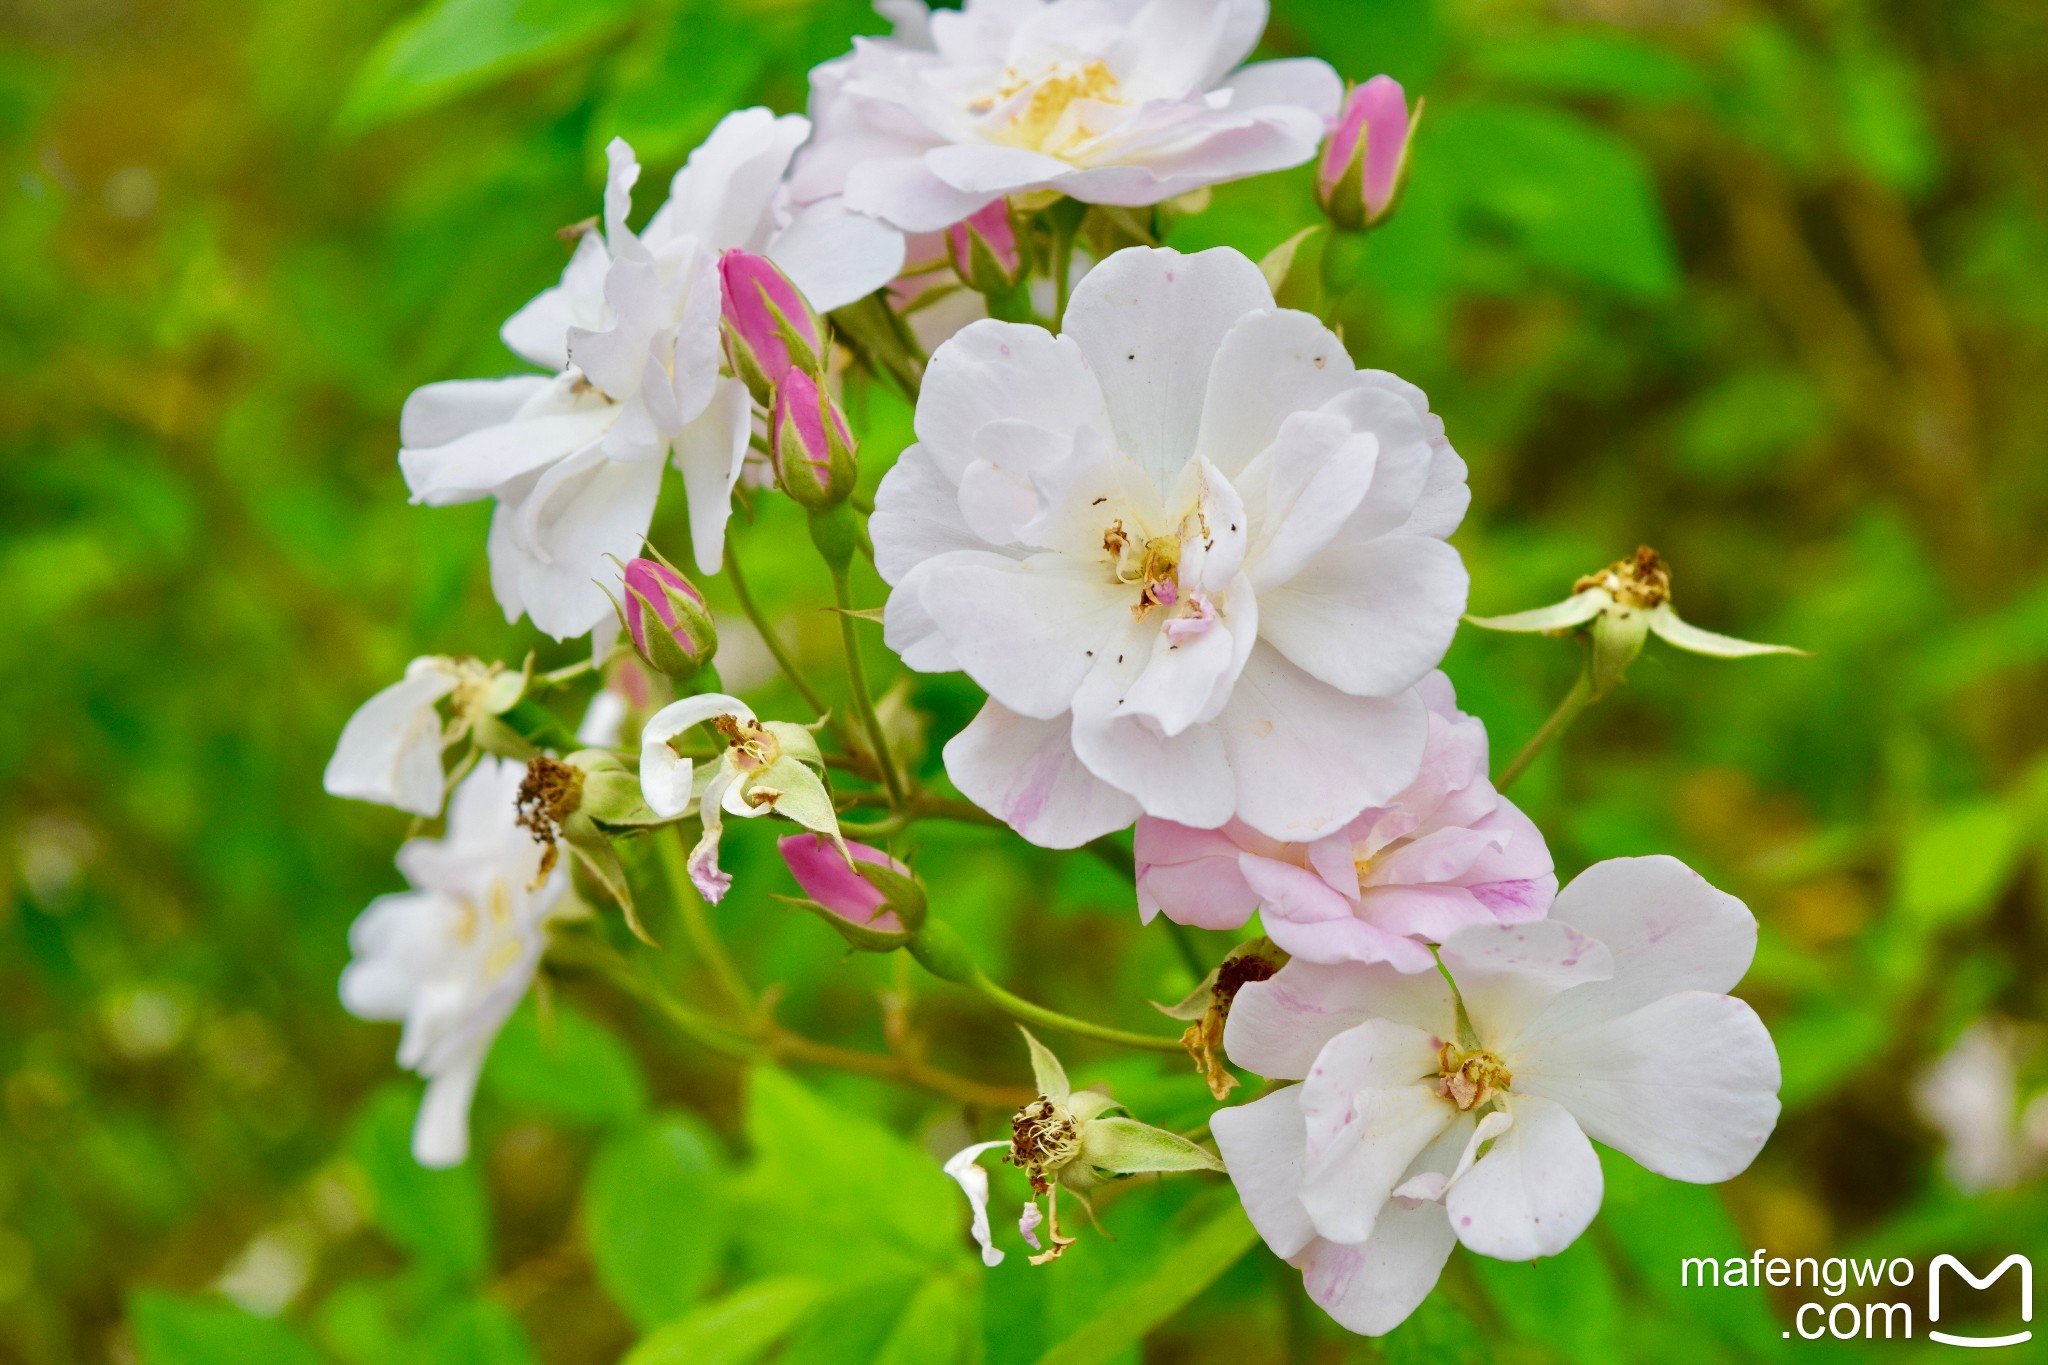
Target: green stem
{"points": [[752, 609], [857, 680], [1062, 270], [919, 807], [697, 927], [1575, 701], [583, 951], [1019, 1008]]}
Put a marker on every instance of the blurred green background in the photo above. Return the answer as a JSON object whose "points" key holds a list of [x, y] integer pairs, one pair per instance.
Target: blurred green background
{"points": [[1764, 285]]}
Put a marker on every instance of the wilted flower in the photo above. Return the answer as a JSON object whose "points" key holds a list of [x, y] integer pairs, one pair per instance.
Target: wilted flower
{"points": [[766, 766], [813, 451], [390, 750], [1111, 104], [1621, 606], [1447, 852], [1208, 1007], [632, 338], [1072, 1140], [1193, 554], [1427, 1117], [769, 328], [452, 957], [1366, 159], [680, 638]]}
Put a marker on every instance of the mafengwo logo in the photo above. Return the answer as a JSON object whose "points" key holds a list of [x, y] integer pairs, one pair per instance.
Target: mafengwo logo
{"points": [[1860, 1320]]}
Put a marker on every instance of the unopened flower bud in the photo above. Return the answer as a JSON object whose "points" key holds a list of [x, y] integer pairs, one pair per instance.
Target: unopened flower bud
{"points": [[984, 249], [1366, 159], [769, 329], [667, 620], [873, 902], [808, 440]]}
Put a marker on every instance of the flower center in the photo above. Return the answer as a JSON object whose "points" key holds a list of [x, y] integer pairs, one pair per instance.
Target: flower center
{"points": [[548, 794], [1048, 121], [1642, 582], [1468, 1079], [753, 747], [1151, 564], [1043, 1138]]}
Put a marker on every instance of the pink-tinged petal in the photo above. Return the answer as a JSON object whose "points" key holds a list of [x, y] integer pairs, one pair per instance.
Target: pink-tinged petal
{"points": [[1310, 920], [1360, 1141], [1262, 1144], [1027, 1225], [1277, 1026], [1191, 876], [1534, 1191], [1025, 771], [906, 193], [827, 879], [1508, 973], [1667, 929], [1440, 855], [1430, 913], [1301, 81], [1686, 1085], [1308, 758], [1371, 1288]]}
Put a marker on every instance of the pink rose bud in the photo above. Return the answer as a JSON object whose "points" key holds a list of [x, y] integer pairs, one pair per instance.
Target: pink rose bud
{"points": [[865, 903], [1366, 159], [808, 441], [984, 249], [769, 329], [666, 618]]}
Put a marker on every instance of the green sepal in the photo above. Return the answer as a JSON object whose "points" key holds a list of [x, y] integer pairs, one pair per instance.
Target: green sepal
{"points": [[1046, 1072], [1123, 1146], [863, 938], [902, 894], [594, 853]]}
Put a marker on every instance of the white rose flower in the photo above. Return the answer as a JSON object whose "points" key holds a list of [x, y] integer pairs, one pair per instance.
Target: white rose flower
{"points": [[452, 957], [1195, 557], [1608, 1020], [631, 336], [1108, 101], [390, 750]]}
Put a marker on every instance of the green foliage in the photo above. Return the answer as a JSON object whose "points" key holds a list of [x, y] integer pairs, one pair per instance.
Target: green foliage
{"points": [[1764, 290], [658, 1217], [174, 1331], [562, 1064], [438, 1216]]}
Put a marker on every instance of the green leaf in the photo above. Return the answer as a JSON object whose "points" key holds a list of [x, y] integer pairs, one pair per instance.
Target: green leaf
{"points": [[475, 1332], [566, 1067], [452, 47], [170, 1330], [833, 1192], [735, 1330], [934, 1326], [1123, 1318], [439, 1216], [658, 1218], [1954, 868], [1574, 196]]}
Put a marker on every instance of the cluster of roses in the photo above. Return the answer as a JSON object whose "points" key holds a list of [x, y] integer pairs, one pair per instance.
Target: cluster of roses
{"points": [[1198, 561]]}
